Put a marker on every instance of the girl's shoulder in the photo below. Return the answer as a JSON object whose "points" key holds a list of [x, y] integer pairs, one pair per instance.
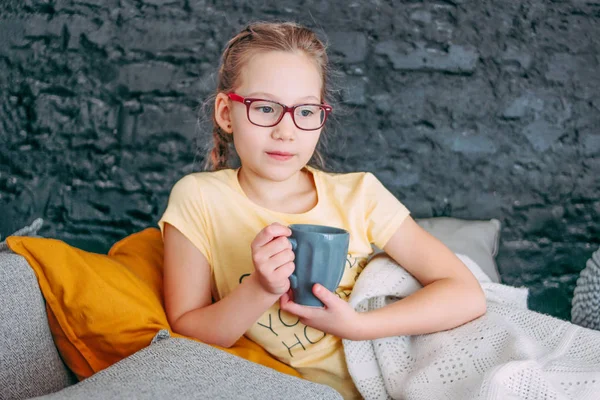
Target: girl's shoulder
{"points": [[205, 182], [346, 179]]}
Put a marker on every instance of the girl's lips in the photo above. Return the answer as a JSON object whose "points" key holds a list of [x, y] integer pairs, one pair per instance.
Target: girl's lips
{"points": [[280, 156]]}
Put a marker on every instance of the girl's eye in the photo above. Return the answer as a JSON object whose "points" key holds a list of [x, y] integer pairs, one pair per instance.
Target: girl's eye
{"points": [[306, 111], [265, 109]]}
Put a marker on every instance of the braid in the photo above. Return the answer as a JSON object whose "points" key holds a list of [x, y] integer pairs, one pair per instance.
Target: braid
{"points": [[219, 155]]}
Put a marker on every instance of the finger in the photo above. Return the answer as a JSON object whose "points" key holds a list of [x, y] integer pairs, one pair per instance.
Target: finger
{"points": [[270, 232], [282, 257], [284, 299], [329, 299], [274, 254], [284, 271], [303, 312], [278, 245]]}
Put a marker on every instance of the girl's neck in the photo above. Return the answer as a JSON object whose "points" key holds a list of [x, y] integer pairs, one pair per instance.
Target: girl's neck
{"points": [[296, 195]]}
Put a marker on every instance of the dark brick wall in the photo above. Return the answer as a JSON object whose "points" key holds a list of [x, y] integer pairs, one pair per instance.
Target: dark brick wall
{"points": [[472, 109]]}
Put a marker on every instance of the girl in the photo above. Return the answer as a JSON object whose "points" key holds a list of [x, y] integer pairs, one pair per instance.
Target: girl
{"points": [[227, 257]]}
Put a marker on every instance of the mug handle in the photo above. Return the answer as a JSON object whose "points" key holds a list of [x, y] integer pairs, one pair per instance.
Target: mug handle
{"points": [[293, 279]]}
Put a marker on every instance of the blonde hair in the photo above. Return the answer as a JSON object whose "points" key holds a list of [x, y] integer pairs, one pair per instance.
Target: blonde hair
{"points": [[257, 37]]}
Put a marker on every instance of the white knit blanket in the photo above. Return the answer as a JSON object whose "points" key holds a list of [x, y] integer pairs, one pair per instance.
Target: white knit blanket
{"points": [[508, 353]]}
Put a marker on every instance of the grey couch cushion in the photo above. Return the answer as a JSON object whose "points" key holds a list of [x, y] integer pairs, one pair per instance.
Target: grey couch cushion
{"points": [[30, 363], [478, 239], [183, 369]]}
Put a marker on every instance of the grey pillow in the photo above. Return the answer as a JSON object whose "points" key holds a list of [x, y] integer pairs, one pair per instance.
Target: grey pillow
{"points": [[31, 230], [585, 309], [176, 368], [477, 239]]}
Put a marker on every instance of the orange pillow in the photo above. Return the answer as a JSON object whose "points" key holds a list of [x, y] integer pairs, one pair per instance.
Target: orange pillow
{"points": [[103, 308]]}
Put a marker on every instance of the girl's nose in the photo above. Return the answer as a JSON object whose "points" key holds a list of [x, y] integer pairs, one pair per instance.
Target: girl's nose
{"points": [[286, 128]]}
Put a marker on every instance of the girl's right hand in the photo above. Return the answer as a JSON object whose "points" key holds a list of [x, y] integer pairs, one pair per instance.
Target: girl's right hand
{"points": [[273, 258]]}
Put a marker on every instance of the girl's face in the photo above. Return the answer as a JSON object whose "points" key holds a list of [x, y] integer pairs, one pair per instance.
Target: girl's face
{"points": [[278, 152]]}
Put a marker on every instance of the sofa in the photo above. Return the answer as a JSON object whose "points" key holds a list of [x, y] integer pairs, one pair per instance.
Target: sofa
{"points": [[167, 366]]}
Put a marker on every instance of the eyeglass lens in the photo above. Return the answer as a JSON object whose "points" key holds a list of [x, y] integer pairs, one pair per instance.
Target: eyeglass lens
{"points": [[267, 113]]}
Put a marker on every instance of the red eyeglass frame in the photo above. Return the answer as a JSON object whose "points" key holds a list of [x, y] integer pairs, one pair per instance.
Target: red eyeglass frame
{"points": [[247, 101]]}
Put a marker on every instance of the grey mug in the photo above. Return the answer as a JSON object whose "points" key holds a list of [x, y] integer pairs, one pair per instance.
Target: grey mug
{"points": [[320, 257]]}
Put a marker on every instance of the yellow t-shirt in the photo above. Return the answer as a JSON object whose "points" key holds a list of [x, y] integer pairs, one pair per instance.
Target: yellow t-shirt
{"points": [[212, 211]]}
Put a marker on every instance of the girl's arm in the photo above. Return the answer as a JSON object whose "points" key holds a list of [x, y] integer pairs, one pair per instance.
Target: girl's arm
{"points": [[188, 296], [451, 295]]}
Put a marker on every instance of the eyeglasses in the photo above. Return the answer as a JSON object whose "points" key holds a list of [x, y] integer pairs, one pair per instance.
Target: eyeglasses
{"points": [[267, 113]]}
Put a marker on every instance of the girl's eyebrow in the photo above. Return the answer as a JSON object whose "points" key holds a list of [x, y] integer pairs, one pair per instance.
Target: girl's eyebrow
{"points": [[269, 96]]}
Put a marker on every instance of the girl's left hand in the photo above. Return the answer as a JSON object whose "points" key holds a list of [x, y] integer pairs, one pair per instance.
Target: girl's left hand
{"points": [[337, 318]]}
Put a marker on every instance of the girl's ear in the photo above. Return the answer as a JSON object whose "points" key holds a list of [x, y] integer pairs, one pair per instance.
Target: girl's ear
{"points": [[223, 112]]}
